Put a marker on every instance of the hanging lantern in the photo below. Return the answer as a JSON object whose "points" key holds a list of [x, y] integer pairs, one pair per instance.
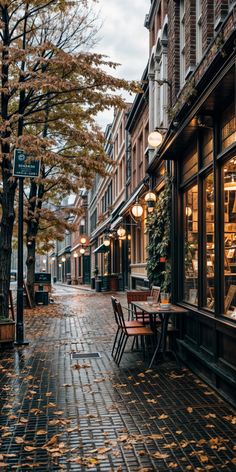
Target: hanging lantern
{"points": [[155, 139], [150, 197], [121, 232], [137, 210], [106, 241]]}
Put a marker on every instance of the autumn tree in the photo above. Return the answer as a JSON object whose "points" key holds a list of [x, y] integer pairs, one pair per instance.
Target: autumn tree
{"points": [[52, 88]]}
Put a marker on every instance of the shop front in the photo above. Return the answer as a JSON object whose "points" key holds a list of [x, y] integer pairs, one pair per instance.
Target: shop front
{"points": [[204, 250]]}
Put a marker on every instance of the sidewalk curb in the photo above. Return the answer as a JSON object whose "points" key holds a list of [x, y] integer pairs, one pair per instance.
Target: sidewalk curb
{"points": [[77, 287]]}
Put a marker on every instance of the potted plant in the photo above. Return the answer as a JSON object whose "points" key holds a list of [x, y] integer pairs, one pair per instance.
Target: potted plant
{"points": [[7, 327], [159, 251], [114, 282], [95, 273]]}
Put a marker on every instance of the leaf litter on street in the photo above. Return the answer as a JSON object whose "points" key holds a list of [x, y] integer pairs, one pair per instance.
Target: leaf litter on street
{"points": [[163, 438]]}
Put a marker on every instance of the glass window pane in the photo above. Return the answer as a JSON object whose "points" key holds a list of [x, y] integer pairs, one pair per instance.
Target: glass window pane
{"points": [[191, 245], [230, 238], [209, 245]]}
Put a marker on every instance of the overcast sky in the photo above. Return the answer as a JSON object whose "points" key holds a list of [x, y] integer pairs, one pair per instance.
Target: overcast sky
{"points": [[124, 39]]}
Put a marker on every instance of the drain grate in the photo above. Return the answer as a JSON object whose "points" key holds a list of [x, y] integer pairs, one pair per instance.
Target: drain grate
{"points": [[85, 355]]}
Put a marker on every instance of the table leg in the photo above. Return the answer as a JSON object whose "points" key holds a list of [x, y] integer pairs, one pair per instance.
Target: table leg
{"points": [[162, 339]]}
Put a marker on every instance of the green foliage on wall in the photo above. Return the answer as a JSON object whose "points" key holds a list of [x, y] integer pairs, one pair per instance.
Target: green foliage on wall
{"points": [[158, 227]]}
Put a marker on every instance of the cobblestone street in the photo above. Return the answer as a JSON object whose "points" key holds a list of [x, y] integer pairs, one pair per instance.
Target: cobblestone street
{"points": [[63, 413]]}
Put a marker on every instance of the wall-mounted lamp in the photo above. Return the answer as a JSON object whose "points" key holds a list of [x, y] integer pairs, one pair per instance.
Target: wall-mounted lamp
{"points": [[83, 239], [106, 238], [75, 255], [63, 259], [155, 138], [137, 210], [53, 259], [150, 198], [121, 231], [106, 241], [82, 250]]}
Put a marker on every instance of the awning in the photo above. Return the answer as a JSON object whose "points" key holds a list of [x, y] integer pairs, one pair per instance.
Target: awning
{"points": [[99, 229], [116, 222], [132, 199], [101, 248]]}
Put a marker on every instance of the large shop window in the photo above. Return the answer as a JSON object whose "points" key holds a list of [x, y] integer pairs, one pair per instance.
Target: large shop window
{"points": [[191, 245], [208, 242], [230, 238]]}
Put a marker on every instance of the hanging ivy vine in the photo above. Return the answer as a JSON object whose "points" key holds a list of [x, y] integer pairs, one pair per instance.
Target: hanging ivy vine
{"points": [[158, 227]]}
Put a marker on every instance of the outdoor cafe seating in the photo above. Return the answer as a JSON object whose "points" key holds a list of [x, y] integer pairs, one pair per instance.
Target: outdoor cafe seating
{"points": [[126, 330], [141, 295], [144, 309]]}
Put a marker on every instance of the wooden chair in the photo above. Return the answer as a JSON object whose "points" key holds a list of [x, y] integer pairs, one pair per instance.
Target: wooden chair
{"points": [[127, 332], [137, 296], [128, 324]]}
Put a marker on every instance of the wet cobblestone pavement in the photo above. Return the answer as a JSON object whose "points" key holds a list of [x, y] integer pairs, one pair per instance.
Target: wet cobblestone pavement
{"points": [[61, 413]]}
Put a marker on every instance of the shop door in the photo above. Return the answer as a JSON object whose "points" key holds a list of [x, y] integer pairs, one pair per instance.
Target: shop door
{"points": [[86, 269]]}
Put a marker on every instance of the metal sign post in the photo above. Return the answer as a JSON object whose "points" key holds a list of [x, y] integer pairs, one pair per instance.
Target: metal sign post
{"points": [[22, 169], [20, 272]]}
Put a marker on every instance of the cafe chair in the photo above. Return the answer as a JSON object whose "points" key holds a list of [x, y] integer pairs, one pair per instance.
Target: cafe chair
{"points": [[118, 335], [128, 332], [137, 296]]}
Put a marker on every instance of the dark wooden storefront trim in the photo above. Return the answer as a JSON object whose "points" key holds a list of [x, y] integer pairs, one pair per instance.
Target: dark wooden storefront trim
{"points": [[207, 346], [212, 373]]}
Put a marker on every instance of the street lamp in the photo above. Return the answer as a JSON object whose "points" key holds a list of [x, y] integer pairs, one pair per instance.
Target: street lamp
{"points": [[63, 259], [60, 272]]}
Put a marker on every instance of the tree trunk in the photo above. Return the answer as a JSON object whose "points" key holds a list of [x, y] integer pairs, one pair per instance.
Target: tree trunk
{"points": [[5, 249]]}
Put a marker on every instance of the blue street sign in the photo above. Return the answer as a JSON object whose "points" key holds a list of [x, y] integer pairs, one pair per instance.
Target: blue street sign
{"points": [[21, 168]]}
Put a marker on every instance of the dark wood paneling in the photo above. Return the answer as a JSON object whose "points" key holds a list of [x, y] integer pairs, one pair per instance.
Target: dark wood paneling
{"points": [[226, 348], [190, 166], [206, 336], [191, 328]]}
